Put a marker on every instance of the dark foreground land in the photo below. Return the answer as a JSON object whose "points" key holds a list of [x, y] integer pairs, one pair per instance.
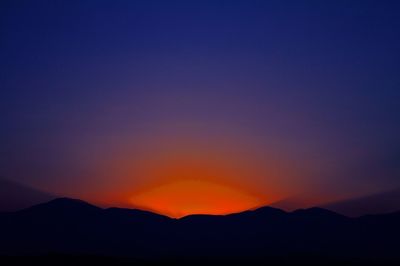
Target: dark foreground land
{"points": [[103, 260], [266, 236]]}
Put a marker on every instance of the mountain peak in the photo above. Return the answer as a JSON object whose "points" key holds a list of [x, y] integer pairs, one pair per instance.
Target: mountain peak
{"points": [[17, 196], [65, 204], [261, 212], [66, 200], [382, 202], [268, 209], [316, 212], [135, 213]]}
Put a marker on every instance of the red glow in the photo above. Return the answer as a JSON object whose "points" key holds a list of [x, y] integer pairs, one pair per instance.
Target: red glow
{"points": [[186, 197], [184, 176]]}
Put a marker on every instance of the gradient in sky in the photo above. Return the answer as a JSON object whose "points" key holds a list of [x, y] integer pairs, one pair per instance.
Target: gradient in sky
{"points": [[200, 106]]}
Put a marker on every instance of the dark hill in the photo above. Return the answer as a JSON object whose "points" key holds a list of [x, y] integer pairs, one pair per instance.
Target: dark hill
{"points": [[383, 202], [16, 196], [68, 226]]}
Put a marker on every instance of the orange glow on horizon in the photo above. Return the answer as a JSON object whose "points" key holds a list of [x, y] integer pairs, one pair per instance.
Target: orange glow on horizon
{"points": [[187, 197], [182, 176]]}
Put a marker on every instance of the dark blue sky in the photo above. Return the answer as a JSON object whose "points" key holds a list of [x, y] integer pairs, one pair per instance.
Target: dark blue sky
{"points": [[315, 85]]}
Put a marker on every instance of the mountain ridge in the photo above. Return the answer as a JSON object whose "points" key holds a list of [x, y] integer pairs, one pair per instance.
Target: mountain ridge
{"points": [[71, 226], [377, 203], [73, 202], [16, 196]]}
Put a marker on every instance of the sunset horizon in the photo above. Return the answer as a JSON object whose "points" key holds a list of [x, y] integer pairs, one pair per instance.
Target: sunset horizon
{"points": [[200, 130]]}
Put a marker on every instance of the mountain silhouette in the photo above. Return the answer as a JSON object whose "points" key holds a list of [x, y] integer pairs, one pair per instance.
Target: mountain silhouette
{"points": [[294, 202], [16, 196], [383, 202], [70, 226]]}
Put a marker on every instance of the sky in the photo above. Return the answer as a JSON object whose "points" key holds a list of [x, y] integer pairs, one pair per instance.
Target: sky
{"points": [[200, 106]]}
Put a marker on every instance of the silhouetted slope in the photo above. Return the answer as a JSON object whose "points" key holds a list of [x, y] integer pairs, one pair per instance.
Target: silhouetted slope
{"points": [[318, 213], [294, 202], [76, 227], [16, 196], [384, 202], [63, 205], [135, 214]]}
